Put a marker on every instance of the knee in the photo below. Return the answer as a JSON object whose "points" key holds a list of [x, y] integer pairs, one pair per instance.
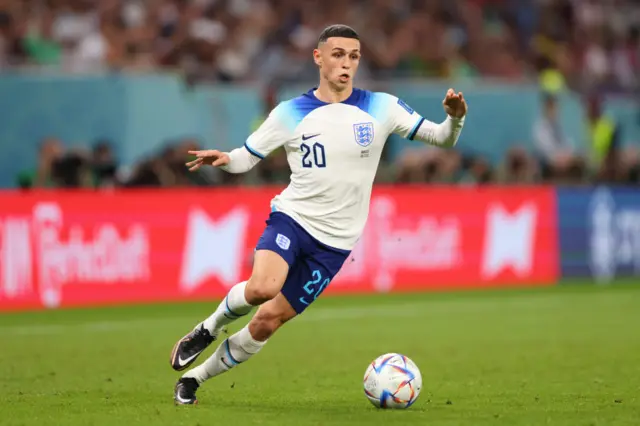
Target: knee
{"points": [[261, 289], [265, 323]]}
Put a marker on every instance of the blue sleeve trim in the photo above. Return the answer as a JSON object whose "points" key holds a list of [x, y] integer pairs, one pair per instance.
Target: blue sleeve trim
{"points": [[253, 152], [413, 132]]}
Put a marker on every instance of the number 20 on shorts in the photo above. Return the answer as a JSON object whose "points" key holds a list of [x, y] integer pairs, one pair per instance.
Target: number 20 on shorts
{"points": [[312, 288]]}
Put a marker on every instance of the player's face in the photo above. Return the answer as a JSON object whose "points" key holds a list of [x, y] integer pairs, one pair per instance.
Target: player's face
{"points": [[338, 60]]}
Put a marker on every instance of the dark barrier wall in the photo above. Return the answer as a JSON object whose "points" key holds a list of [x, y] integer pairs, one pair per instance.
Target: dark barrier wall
{"points": [[599, 232]]}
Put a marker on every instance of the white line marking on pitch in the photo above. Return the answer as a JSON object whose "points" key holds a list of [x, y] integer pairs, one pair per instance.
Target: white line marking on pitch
{"points": [[319, 314]]}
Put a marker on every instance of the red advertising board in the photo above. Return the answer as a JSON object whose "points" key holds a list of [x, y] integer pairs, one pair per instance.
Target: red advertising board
{"points": [[62, 249]]}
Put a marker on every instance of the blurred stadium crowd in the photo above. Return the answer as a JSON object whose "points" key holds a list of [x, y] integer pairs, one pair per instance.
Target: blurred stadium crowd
{"points": [[589, 46], [592, 42]]}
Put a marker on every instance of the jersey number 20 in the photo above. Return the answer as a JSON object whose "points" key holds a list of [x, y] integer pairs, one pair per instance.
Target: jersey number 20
{"points": [[313, 154]]}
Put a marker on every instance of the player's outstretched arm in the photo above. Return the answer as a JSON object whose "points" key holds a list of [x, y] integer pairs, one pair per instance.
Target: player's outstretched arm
{"points": [[239, 160], [445, 134], [272, 134]]}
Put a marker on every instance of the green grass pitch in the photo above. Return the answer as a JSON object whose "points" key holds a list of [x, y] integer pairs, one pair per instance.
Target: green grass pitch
{"points": [[568, 355]]}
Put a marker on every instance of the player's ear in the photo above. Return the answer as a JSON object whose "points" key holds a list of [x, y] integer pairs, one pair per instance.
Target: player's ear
{"points": [[317, 57]]}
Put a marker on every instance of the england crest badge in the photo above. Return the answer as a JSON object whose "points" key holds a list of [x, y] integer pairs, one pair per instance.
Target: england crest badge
{"points": [[363, 133]]}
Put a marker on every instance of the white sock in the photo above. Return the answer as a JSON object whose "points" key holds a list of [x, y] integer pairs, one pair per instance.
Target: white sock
{"points": [[233, 351], [232, 307]]}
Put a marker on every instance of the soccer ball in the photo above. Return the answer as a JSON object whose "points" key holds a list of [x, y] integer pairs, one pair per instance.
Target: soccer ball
{"points": [[392, 381]]}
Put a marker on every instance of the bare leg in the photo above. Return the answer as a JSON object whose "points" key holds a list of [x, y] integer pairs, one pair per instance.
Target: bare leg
{"points": [[268, 276]]}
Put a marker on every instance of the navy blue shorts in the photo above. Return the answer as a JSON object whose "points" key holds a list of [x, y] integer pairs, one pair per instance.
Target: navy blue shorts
{"points": [[312, 264]]}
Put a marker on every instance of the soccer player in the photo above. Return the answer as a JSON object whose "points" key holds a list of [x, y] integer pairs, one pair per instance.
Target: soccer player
{"points": [[333, 136]]}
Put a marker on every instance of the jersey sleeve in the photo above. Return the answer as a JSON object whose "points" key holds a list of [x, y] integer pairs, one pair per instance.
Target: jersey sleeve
{"points": [[399, 117], [270, 135]]}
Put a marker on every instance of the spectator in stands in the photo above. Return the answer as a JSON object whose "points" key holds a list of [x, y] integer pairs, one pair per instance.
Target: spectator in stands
{"points": [[12, 50], [476, 171], [555, 151], [604, 142], [150, 172], [73, 170], [519, 168], [104, 165], [50, 151], [449, 167], [416, 166]]}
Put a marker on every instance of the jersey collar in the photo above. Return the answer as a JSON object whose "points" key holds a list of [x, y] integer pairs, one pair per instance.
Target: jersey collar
{"points": [[354, 99]]}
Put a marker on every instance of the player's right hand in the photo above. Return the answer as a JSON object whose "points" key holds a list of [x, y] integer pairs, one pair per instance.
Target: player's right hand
{"points": [[210, 157]]}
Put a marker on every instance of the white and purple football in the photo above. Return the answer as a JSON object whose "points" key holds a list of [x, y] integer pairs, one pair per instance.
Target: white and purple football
{"points": [[392, 381]]}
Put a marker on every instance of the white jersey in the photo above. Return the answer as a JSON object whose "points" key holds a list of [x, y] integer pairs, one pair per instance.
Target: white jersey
{"points": [[333, 150]]}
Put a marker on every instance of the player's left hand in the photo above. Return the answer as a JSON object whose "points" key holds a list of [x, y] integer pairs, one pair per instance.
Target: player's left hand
{"points": [[454, 104]]}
